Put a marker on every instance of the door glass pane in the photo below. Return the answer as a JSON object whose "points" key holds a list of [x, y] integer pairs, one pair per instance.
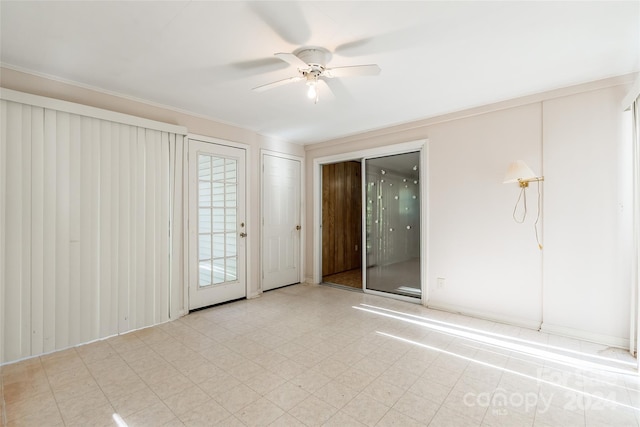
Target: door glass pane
{"points": [[230, 168], [205, 273], [218, 195], [393, 224], [217, 220]]}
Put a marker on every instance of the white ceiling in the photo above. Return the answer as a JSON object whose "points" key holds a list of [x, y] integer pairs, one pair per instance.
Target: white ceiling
{"points": [[436, 57]]}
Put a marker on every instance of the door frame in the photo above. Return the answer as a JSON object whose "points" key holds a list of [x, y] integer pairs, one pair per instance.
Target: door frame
{"points": [[249, 219], [422, 146], [264, 152]]}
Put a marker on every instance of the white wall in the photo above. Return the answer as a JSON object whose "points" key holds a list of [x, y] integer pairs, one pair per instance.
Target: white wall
{"points": [[579, 284], [587, 268], [491, 265]]}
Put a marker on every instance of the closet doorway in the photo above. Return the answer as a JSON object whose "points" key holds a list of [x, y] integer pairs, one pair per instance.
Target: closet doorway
{"points": [[342, 224], [371, 226]]}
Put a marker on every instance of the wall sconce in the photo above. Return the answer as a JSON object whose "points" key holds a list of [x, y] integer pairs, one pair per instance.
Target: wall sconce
{"points": [[519, 172]]}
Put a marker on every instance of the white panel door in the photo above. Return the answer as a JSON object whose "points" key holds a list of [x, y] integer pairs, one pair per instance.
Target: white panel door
{"points": [[217, 231], [281, 222]]}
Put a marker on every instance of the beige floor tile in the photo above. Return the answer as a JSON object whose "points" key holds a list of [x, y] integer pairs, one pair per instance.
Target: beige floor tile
{"points": [[236, 398], [61, 378], [208, 414], [264, 382], [399, 377], [288, 369], [125, 343], [336, 394], [310, 380], [287, 420], [331, 367], [416, 407], [171, 385], [500, 418], [43, 402], [83, 404], [446, 417], [98, 416], [262, 412], [24, 367], [158, 374], [155, 415], [429, 389], [122, 386], [45, 417], [134, 402], [341, 419], [202, 372], [20, 390], [395, 418], [355, 379], [313, 412], [245, 370], [383, 392], [219, 383], [287, 395], [70, 361], [365, 409], [76, 389], [186, 400]]}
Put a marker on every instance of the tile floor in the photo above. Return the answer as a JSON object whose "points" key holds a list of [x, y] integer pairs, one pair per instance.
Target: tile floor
{"points": [[318, 356]]}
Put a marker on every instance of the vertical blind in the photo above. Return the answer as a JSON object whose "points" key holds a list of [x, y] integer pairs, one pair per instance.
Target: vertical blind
{"points": [[91, 228]]}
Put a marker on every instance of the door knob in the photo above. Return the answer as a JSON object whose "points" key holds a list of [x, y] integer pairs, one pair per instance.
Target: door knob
{"points": [[243, 234], [298, 227]]}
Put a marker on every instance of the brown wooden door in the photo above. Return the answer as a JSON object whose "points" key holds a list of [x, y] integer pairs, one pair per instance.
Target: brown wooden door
{"points": [[341, 217]]}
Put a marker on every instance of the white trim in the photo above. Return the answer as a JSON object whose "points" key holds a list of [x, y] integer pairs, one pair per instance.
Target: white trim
{"points": [[388, 150], [509, 320], [85, 110], [363, 222], [266, 152], [585, 335], [218, 141], [112, 93], [632, 95], [424, 222], [391, 295]]}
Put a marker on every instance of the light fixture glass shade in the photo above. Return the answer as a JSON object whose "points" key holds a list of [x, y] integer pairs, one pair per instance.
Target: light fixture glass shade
{"points": [[518, 170], [312, 92]]}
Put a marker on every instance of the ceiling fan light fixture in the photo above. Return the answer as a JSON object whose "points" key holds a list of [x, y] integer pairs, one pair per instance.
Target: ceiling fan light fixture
{"points": [[312, 93]]}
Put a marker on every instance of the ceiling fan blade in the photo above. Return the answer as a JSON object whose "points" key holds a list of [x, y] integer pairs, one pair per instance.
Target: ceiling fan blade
{"points": [[338, 88], [293, 60], [288, 21], [271, 85], [324, 91], [354, 70]]}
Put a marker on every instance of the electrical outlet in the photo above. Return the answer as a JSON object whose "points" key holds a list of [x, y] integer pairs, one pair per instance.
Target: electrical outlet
{"points": [[440, 282]]}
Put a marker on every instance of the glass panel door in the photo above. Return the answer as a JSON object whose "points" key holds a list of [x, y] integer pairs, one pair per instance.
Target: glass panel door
{"points": [[217, 229], [392, 219], [217, 225]]}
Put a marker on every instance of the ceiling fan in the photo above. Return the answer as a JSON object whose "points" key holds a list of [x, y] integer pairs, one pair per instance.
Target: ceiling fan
{"points": [[311, 63]]}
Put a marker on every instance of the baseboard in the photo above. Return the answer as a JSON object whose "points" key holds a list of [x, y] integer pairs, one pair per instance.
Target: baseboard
{"points": [[253, 295], [564, 331], [494, 317], [309, 281]]}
